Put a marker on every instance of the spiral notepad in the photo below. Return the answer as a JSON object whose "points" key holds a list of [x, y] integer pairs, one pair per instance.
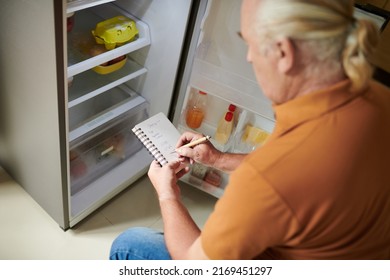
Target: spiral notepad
{"points": [[159, 136]]}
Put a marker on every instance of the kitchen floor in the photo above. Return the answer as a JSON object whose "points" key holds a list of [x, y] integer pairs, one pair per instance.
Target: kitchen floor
{"points": [[28, 232]]}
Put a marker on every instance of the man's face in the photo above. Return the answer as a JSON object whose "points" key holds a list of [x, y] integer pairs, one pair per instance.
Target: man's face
{"points": [[259, 54]]}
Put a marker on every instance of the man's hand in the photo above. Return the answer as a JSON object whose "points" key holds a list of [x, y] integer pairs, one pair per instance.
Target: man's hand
{"points": [[204, 153], [164, 179]]}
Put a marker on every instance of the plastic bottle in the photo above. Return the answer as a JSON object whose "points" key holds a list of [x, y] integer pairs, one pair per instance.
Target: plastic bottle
{"points": [[232, 108], [196, 109], [224, 129]]}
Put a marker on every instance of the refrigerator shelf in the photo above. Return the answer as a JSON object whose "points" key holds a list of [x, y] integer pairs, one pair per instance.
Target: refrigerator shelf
{"points": [[81, 41], [204, 186], [90, 84], [77, 5], [92, 114]]}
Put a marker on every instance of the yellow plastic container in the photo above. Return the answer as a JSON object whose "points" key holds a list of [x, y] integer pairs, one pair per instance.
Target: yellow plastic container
{"points": [[115, 31], [103, 70]]}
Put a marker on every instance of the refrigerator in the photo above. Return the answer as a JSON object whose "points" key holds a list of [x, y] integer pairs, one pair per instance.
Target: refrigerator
{"points": [[65, 127]]}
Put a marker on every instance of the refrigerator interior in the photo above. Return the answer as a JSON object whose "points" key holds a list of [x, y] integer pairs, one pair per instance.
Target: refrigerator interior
{"points": [[104, 155], [218, 67]]}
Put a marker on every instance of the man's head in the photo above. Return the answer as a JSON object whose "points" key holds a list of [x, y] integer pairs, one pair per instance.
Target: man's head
{"points": [[298, 46]]}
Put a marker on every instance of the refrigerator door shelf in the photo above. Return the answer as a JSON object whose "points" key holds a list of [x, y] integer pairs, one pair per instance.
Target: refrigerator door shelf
{"points": [[89, 84], [104, 151], [81, 40], [218, 102], [91, 115], [206, 187]]}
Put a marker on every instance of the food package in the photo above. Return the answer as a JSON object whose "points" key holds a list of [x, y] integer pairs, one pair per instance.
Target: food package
{"points": [[254, 135], [115, 31], [111, 66], [198, 170], [213, 177]]}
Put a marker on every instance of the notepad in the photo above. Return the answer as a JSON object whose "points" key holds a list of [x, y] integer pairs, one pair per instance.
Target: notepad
{"points": [[159, 136]]}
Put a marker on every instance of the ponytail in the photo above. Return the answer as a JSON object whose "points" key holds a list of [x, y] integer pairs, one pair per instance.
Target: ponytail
{"points": [[359, 46]]}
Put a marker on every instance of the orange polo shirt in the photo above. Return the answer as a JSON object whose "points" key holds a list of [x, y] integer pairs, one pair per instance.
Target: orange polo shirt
{"points": [[318, 189]]}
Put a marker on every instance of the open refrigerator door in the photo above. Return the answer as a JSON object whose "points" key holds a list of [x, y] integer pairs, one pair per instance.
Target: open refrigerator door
{"points": [[218, 67]]}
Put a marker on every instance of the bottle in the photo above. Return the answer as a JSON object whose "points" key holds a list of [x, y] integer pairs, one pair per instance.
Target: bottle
{"points": [[232, 108], [224, 129], [196, 109]]}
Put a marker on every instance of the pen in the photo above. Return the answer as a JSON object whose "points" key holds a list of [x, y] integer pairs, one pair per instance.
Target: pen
{"points": [[196, 142]]}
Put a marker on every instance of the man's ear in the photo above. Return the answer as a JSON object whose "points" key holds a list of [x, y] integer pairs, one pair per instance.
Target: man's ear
{"points": [[286, 54]]}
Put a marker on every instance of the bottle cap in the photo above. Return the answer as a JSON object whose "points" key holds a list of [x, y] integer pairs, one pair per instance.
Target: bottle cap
{"points": [[228, 116], [202, 92], [232, 108]]}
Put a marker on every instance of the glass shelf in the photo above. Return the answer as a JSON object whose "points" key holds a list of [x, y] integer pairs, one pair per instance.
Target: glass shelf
{"points": [[77, 5], [98, 111], [90, 84]]}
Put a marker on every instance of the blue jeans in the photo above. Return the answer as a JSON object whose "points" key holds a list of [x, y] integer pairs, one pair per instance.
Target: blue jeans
{"points": [[139, 244]]}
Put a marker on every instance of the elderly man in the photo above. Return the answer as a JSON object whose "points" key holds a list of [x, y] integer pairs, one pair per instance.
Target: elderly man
{"points": [[320, 187]]}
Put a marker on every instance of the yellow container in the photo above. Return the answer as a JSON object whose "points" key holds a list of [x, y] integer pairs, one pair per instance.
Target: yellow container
{"points": [[101, 69], [254, 135], [115, 31]]}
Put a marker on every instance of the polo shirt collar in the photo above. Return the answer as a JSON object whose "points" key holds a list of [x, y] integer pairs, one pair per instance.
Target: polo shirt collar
{"points": [[310, 106]]}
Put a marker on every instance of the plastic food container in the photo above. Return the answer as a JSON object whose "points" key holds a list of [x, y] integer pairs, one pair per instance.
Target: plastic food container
{"points": [[106, 69], [115, 31]]}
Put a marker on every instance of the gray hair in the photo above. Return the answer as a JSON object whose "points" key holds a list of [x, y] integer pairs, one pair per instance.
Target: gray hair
{"points": [[326, 34]]}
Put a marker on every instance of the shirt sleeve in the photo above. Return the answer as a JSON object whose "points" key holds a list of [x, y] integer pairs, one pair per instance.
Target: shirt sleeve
{"points": [[249, 218]]}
